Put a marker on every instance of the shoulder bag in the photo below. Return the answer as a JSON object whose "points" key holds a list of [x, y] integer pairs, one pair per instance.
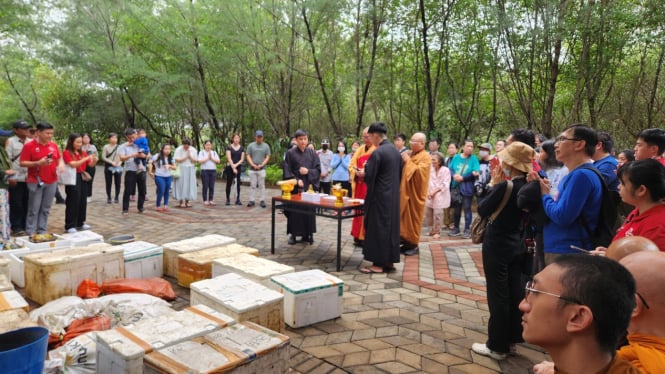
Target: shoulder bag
{"points": [[479, 224]]}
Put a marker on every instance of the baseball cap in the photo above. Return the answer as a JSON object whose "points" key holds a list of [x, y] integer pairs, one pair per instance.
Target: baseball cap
{"points": [[21, 125], [487, 146], [258, 133]]}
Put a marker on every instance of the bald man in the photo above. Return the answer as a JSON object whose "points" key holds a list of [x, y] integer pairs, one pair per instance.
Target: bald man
{"points": [[622, 247], [646, 331], [413, 193]]}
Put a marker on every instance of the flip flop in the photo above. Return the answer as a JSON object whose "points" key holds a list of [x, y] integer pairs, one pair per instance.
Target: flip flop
{"points": [[369, 270]]}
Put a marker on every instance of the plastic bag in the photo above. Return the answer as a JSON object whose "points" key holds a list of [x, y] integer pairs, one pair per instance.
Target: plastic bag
{"points": [[88, 289], [152, 286]]}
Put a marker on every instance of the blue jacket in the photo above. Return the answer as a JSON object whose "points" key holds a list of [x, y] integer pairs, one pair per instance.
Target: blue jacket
{"points": [[580, 193], [607, 166], [341, 167]]}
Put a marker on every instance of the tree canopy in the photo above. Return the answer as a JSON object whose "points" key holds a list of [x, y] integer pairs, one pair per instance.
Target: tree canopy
{"points": [[454, 69]]}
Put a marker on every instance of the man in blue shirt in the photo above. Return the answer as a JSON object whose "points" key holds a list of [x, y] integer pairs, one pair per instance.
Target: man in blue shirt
{"points": [[605, 162], [464, 168], [580, 195]]}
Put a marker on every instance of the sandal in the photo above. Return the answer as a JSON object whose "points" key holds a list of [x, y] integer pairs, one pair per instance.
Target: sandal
{"points": [[182, 204], [370, 270], [187, 204]]}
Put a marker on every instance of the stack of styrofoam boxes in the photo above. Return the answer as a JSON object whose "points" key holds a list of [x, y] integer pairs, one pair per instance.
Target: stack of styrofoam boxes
{"points": [[143, 260], [257, 269], [244, 348], [82, 238], [310, 297], [5, 275], [240, 298], [173, 249], [15, 256], [122, 349], [51, 275], [196, 266], [11, 300]]}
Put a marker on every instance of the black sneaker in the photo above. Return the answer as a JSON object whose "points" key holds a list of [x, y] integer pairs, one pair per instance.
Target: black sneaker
{"points": [[115, 201], [227, 202], [250, 204], [467, 234], [238, 202], [454, 232], [109, 201], [412, 251], [262, 204], [292, 240]]}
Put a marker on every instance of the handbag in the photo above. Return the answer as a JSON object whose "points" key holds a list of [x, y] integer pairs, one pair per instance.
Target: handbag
{"points": [[479, 224], [67, 176], [175, 173], [86, 177], [456, 197]]}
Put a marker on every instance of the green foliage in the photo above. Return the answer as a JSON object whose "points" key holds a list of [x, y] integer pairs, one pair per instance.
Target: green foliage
{"points": [[273, 174]]}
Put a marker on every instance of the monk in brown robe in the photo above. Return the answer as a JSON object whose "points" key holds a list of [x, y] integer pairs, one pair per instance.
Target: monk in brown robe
{"points": [[413, 193]]}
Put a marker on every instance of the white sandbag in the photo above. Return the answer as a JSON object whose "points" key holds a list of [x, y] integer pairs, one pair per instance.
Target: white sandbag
{"points": [[58, 314], [128, 308], [77, 356]]}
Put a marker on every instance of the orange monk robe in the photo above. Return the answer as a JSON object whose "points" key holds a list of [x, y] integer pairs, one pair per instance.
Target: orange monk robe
{"points": [[413, 193], [354, 163], [645, 352]]}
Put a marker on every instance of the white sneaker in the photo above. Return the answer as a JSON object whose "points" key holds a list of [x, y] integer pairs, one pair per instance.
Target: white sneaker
{"points": [[482, 349], [89, 199], [71, 230], [85, 227]]}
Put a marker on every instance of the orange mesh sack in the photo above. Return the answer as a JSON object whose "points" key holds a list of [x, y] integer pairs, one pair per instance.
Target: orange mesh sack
{"points": [[157, 287], [88, 289]]}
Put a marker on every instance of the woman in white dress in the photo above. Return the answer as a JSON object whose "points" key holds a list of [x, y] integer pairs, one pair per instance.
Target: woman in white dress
{"points": [[184, 189]]}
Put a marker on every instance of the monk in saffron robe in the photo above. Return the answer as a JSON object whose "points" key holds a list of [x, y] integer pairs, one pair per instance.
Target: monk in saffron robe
{"points": [[358, 185], [413, 193]]}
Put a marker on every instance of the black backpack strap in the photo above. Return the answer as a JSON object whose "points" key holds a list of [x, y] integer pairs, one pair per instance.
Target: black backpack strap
{"points": [[583, 221]]}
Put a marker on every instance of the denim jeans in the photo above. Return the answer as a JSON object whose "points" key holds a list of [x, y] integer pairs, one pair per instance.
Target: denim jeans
{"points": [[163, 186], [466, 205]]}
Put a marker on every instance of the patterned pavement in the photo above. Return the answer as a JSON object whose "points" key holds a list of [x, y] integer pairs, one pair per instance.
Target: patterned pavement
{"points": [[422, 318]]}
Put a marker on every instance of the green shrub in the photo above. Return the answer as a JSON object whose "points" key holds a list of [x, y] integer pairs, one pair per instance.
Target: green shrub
{"points": [[273, 174]]}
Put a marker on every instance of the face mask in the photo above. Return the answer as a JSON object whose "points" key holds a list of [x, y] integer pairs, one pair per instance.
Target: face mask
{"points": [[340, 149], [483, 154], [506, 171], [324, 147]]}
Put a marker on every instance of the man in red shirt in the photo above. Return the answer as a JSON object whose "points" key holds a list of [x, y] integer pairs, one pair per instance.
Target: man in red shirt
{"points": [[42, 157]]}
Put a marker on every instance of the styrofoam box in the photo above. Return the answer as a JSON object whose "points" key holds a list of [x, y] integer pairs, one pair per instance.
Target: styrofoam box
{"points": [[240, 298], [310, 296], [121, 350], [82, 238], [17, 265], [195, 266], [5, 283], [143, 260], [10, 300], [51, 275], [245, 348], [173, 249], [312, 197], [251, 267], [15, 319], [24, 241], [4, 268]]}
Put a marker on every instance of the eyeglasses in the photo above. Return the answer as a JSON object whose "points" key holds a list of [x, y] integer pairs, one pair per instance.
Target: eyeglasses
{"points": [[642, 299], [561, 138], [529, 290]]}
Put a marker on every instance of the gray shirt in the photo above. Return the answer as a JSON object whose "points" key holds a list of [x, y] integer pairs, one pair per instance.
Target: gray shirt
{"points": [[258, 152], [14, 148], [126, 150]]}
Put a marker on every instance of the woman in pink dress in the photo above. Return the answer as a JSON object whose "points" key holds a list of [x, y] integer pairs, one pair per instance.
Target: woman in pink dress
{"points": [[438, 195]]}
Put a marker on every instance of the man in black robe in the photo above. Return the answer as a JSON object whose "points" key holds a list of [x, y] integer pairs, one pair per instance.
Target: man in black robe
{"points": [[301, 163], [383, 172]]}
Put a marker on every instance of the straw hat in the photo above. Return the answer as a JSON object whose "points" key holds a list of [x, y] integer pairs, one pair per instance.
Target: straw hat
{"points": [[518, 155]]}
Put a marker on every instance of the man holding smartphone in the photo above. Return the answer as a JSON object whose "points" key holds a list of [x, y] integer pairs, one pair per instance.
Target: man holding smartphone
{"points": [[42, 157]]}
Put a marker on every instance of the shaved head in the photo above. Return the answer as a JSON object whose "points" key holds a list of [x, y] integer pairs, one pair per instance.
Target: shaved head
{"points": [[647, 269], [621, 248]]}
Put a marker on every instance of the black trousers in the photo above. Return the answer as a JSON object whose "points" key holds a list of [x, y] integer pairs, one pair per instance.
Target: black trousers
{"points": [[76, 204], [133, 181], [229, 182], [88, 185], [18, 206], [505, 291], [112, 178]]}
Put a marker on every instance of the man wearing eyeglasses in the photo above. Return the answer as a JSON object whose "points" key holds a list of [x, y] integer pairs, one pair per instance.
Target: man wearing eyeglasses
{"points": [[646, 336], [575, 214], [578, 309]]}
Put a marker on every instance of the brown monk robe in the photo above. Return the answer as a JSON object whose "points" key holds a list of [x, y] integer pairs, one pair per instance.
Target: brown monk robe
{"points": [[413, 193]]}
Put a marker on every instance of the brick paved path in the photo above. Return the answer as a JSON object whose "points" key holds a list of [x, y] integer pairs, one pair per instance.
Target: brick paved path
{"points": [[421, 319]]}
